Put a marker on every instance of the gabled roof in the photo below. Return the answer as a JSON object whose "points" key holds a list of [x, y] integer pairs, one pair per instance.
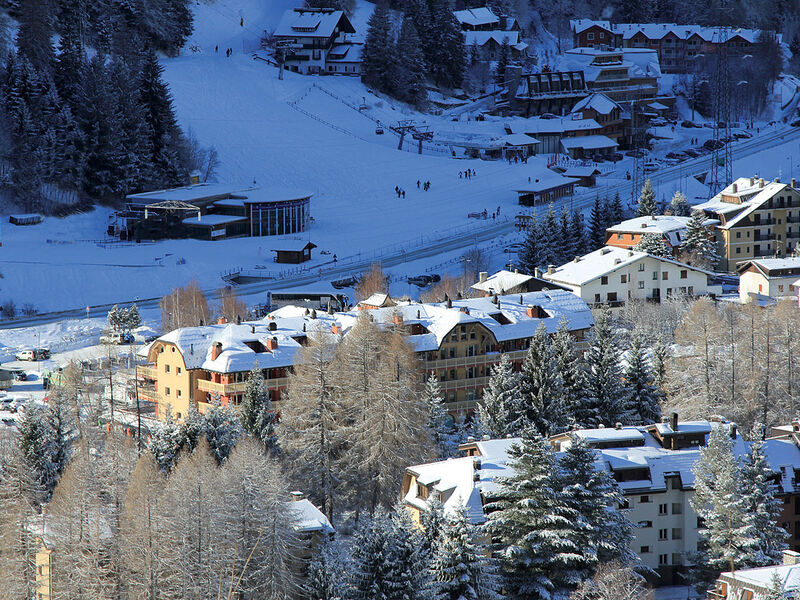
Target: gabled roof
{"points": [[292, 246], [588, 142], [482, 37], [752, 194], [598, 102], [545, 181], [581, 25], [669, 226], [502, 281], [316, 23], [476, 16]]}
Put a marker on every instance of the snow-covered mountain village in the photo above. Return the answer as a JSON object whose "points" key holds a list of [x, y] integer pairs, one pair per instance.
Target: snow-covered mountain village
{"points": [[399, 300]]}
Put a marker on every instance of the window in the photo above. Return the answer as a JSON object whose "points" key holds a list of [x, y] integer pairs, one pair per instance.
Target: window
{"points": [[662, 534], [663, 559], [645, 499], [684, 273], [166, 391], [623, 279], [178, 370], [655, 275], [738, 234], [738, 251], [664, 275], [590, 36], [619, 236], [612, 296], [641, 266], [691, 290], [662, 509], [644, 550], [677, 508], [166, 368], [604, 280], [597, 298], [641, 285], [178, 393], [645, 524], [677, 533], [780, 288]]}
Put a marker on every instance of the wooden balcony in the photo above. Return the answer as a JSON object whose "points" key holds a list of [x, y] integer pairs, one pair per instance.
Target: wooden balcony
{"points": [[147, 394], [147, 372], [473, 361], [226, 389]]}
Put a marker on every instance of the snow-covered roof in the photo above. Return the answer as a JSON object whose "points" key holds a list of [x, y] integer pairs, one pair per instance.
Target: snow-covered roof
{"points": [[476, 16], [657, 31], [603, 261], [519, 139], [307, 517], [560, 125], [588, 142], [543, 182], [684, 427], [320, 23], [502, 281], [599, 102], [291, 245], [762, 577], [345, 53], [378, 299], [741, 198], [610, 434], [482, 37], [211, 220], [190, 193], [581, 171], [671, 227], [581, 25], [767, 265], [594, 62]]}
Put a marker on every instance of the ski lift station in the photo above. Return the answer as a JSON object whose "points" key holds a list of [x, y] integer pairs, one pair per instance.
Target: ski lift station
{"points": [[212, 211]]}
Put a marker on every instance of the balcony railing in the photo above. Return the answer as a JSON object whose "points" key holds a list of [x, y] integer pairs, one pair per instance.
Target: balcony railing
{"points": [[472, 361], [147, 371], [463, 383], [226, 389], [149, 395]]}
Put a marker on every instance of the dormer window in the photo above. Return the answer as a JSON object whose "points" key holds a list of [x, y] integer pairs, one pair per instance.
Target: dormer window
{"points": [[256, 346]]}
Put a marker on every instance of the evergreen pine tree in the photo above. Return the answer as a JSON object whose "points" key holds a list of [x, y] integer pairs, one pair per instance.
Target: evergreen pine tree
{"points": [[223, 429], [653, 243], [439, 422], [550, 238], [448, 59], [643, 399], [568, 370], [378, 60], [776, 590], [698, 248], [579, 235], [766, 538], [598, 223], [420, 15], [35, 33], [530, 257], [258, 418], [539, 385], [647, 200], [68, 164], [567, 244], [502, 410], [593, 494], [325, 573], [432, 522], [44, 443], [717, 501], [461, 567], [616, 212], [165, 443], [503, 60], [603, 384], [679, 205], [411, 67], [541, 553]]}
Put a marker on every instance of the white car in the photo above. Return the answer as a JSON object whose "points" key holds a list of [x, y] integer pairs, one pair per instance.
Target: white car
{"points": [[27, 354]]}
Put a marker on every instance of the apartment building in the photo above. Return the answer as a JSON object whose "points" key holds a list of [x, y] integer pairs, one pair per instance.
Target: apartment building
{"points": [[315, 41], [652, 466], [676, 45], [611, 276], [624, 75], [772, 277], [459, 341], [758, 218]]}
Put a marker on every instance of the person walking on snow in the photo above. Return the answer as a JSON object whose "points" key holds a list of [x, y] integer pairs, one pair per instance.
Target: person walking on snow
{"points": [[241, 21], [417, 183]]}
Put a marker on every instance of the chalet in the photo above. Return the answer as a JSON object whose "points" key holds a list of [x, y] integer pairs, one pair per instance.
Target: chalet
{"points": [[486, 32], [611, 276], [773, 277], [624, 75], [316, 41], [603, 110], [508, 282], [629, 233], [584, 176], [758, 219], [293, 252], [545, 189]]}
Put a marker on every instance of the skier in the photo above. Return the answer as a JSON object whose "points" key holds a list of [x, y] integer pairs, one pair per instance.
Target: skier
{"points": [[459, 174], [417, 183], [404, 194], [334, 258], [241, 21], [216, 48]]}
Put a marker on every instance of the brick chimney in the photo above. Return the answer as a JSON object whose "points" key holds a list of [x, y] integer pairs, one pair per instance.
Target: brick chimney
{"points": [[483, 276], [272, 343], [222, 321], [673, 421], [297, 496], [216, 350], [335, 329]]}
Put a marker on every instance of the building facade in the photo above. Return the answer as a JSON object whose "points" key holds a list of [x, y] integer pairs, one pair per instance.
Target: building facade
{"points": [[773, 277], [757, 219], [629, 233], [612, 276], [624, 75], [315, 41]]}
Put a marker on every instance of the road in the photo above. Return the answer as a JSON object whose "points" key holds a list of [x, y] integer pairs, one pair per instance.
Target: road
{"points": [[582, 200]]}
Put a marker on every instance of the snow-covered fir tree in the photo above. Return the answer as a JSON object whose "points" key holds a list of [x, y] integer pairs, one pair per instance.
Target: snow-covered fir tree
{"points": [[549, 239], [326, 571], [378, 57], [460, 566], [569, 371], [697, 247], [433, 523], [45, 441], [531, 255], [439, 422], [411, 66], [776, 590], [643, 398], [717, 502], [598, 223], [602, 381], [223, 428], [503, 61], [567, 244], [539, 385], [606, 533], [762, 509], [616, 212], [578, 234], [502, 411], [258, 418], [647, 200], [679, 205], [540, 555], [653, 243], [165, 443], [448, 53]]}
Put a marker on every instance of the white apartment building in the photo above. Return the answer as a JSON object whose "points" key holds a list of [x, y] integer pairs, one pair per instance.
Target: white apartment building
{"points": [[773, 277], [612, 276]]}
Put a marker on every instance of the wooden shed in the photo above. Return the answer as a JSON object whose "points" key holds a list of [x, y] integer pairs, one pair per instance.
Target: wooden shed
{"points": [[293, 251]]}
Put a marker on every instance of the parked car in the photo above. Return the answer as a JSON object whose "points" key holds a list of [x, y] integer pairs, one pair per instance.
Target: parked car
{"points": [[713, 144], [117, 337], [674, 155], [741, 135], [616, 156], [795, 123], [691, 153], [419, 280], [658, 122], [20, 375], [548, 116], [26, 354], [511, 248], [650, 166], [635, 153]]}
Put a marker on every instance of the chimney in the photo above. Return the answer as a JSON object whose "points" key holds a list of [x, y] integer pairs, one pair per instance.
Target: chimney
{"points": [[734, 428], [496, 300], [652, 217], [483, 276], [793, 183], [238, 320], [486, 438], [253, 328], [272, 343], [777, 180], [314, 313], [576, 259], [296, 496], [464, 309], [536, 272], [273, 326], [790, 557], [673, 421], [306, 312], [551, 269], [330, 308], [601, 426], [191, 348], [222, 321], [644, 225], [419, 315], [734, 188], [476, 464], [470, 439], [335, 329], [532, 312], [752, 181], [520, 299], [216, 350], [449, 303], [397, 318], [795, 425]]}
